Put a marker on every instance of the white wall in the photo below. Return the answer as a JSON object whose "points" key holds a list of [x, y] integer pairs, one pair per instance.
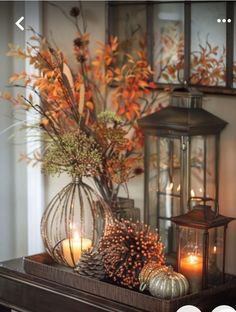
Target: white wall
{"points": [[18, 225], [223, 106], [13, 186], [19, 142], [63, 32], [7, 228]]}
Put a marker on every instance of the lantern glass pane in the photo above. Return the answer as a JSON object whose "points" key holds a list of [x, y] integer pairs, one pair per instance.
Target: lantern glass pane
{"points": [[169, 177], [163, 178], [202, 165], [191, 256], [164, 186], [152, 178], [197, 167], [169, 205], [215, 262], [211, 167], [168, 236]]}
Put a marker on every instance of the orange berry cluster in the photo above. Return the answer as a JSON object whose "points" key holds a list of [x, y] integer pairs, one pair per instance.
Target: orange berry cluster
{"points": [[127, 247]]}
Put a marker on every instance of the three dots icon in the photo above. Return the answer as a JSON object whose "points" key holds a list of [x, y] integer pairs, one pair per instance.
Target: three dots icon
{"points": [[223, 20]]}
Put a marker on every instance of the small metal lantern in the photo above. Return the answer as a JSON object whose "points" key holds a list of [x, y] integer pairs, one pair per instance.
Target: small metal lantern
{"points": [[180, 160], [201, 237]]}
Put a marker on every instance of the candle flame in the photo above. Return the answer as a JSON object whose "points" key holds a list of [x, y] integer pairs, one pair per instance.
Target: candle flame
{"points": [[214, 249], [193, 259], [72, 226], [192, 193], [170, 186], [76, 235], [178, 188]]}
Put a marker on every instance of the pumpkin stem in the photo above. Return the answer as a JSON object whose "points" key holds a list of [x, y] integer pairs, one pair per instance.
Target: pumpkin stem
{"points": [[142, 286]]}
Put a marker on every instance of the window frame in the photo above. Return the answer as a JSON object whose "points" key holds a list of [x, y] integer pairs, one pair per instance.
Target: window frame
{"points": [[228, 88]]}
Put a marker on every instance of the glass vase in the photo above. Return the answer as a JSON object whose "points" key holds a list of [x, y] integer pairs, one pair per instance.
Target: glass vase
{"points": [[74, 221]]}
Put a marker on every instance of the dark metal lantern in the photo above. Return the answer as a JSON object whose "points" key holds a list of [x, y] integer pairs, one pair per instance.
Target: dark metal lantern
{"points": [[181, 160], [201, 237]]}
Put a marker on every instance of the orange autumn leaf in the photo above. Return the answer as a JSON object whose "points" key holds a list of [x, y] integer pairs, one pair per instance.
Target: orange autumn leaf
{"points": [[45, 122], [114, 43], [134, 107], [90, 105], [6, 96], [85, 37], [128, 115], [152, 85], [143, 84], [18, 76], [125, 93]]}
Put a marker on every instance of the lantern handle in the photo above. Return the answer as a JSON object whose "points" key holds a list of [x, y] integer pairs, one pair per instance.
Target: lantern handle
{"points": [[204, 199]]}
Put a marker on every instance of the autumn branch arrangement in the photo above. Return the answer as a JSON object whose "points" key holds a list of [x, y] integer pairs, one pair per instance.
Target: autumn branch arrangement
{"points": [[81, 131]]}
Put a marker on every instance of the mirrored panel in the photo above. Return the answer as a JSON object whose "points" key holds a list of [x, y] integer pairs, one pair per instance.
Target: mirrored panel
{"points": [[208, 44], [168, 35], [128, 23]]}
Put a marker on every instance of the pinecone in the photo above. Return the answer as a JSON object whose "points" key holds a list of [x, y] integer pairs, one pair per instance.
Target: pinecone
{"points": [[91, 264]]}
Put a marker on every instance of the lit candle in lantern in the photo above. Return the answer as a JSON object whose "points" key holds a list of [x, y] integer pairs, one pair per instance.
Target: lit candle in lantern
{"points": [[191, 267], [213, 271], [193, 202], [72, 248], [168, 202], [178, 188], [213, 259]]}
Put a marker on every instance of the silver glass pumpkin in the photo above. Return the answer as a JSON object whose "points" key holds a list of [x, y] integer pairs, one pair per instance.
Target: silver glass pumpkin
{"points": [[148, 271], [168, 284]]}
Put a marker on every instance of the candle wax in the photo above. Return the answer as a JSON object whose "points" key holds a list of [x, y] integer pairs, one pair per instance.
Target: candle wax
{"points": [[191, 267], [72, 249]]}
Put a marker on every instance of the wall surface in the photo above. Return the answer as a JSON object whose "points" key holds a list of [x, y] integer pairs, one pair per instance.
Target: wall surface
{"points": [[15, 217], [223, 106], [63, 32], [19, 142], [6, 147], [13, 210]]}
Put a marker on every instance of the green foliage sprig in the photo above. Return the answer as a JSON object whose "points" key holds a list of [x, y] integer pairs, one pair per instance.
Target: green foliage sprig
{"points": [[75, 153]]}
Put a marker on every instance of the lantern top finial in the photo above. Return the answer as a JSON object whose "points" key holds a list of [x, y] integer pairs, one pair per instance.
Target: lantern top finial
{"points": [[185, 96]]}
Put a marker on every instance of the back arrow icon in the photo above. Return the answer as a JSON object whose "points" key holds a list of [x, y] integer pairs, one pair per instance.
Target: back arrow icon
{"points": [[18, 23]]}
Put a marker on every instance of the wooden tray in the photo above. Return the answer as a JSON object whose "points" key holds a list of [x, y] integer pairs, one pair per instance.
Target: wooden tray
{"points": [[42, 265]]}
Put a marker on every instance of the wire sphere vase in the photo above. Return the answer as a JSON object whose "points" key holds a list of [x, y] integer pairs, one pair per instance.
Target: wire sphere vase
{"points": [[74, 221]]}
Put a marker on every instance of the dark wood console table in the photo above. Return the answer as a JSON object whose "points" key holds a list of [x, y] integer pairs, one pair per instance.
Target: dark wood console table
{"points": [[27, 293], [24, 292]]}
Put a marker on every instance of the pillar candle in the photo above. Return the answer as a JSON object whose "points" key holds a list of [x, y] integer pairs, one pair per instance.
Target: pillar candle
{"points": [[191, 267], [168, 203], [72, 249]]}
